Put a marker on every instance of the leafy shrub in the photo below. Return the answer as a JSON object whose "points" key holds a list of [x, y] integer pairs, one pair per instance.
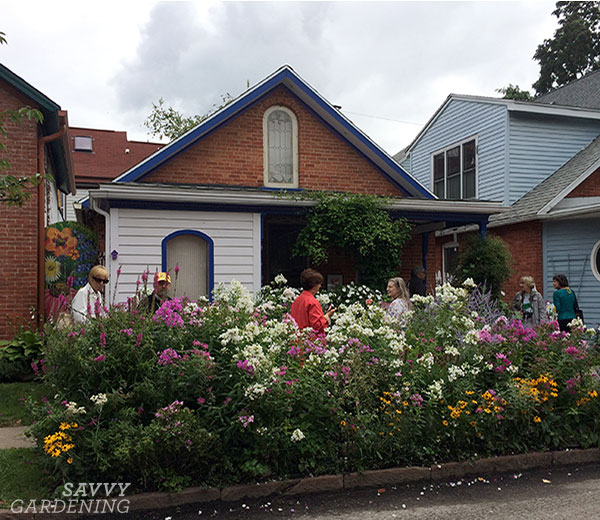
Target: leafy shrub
{"points": [[487, 262], [19, 357]]}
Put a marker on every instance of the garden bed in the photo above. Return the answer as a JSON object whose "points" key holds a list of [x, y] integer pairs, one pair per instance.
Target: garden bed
{"points": [[232, 392]]}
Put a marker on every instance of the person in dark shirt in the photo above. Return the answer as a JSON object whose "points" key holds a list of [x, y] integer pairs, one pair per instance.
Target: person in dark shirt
{"points": [[152, 302], [416, 284]]}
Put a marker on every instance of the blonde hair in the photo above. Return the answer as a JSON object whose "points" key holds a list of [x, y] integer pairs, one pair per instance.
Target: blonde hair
{"points": [[528, 280], [401, 285], [98, 270]]}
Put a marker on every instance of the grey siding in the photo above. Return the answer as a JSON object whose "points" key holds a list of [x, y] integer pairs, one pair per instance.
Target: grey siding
{"points": [[539, 145], [567, 249], [486, 122]]}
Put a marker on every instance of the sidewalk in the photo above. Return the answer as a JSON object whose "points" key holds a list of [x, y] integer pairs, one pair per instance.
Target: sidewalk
{"points": [[12, 437]]}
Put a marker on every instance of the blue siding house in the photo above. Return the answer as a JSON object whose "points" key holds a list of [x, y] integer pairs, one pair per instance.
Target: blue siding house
{"points": [[541, 159]]}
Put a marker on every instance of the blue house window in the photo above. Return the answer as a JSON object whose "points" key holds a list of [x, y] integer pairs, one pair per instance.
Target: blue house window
{"points": [[192, 252], [455, 171]]}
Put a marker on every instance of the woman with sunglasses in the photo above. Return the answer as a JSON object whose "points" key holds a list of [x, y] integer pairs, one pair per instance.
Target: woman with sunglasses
{"points": [[88, 300]]}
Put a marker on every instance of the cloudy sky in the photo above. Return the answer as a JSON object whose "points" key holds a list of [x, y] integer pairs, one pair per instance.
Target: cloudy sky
{"points": [[388, 64]]}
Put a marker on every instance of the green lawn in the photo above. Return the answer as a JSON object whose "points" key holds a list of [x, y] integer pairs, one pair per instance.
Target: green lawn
{"points": [[22, 476], [13, 411]]}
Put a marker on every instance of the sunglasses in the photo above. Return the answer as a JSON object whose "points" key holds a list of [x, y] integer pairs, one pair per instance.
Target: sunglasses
{"points": [[100, 280]]}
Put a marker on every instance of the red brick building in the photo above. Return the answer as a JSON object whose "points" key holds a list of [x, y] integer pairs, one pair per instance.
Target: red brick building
{"points": [[209, 201], [31, 148]]}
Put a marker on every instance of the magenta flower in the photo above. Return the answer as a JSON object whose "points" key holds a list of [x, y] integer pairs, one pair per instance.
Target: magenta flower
{"points": [[101, 357], [176, 269]]}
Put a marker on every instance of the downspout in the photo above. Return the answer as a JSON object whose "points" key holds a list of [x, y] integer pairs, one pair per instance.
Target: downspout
{"points": [[96, 207], [40, 215]]}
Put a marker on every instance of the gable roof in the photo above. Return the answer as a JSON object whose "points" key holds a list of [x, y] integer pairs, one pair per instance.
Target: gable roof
{"points": [[53, 117], [541, 200], [512, 106], [583, 92], [324, 110]]}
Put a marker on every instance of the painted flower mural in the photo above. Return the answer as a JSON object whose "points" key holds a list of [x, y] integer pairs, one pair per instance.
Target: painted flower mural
{"points": [[71, 252]]}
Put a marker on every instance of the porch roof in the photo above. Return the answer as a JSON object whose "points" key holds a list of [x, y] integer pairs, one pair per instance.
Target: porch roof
{"points": [[423, 211]]}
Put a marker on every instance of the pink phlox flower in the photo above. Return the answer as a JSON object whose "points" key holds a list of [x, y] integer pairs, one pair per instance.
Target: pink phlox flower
{"points": [[103, 339], [138, 340], [167, 357], [281, 371], [176, 269], [201, 400], [245, 366], [101, 357], [246, 420], [294, 351], [129, 332], [417, 400]]}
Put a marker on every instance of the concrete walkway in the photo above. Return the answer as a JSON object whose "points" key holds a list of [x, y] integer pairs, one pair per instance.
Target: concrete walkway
{"points": [[13, 437]]}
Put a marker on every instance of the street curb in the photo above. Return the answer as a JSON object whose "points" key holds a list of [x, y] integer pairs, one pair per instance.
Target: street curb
{"points": [[372, 478]]}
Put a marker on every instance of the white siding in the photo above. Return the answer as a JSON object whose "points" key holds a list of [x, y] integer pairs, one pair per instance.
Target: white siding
{"points": [[458, 121], [539, 145], [567, 249], [137, 235], [72, 199]]}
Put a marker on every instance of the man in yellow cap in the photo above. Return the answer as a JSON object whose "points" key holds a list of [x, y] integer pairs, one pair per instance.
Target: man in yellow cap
{"points": [[152, 302]]}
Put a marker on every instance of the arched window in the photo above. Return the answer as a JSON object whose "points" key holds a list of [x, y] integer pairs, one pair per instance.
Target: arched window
{"points": [[595, 260], [192, 252], [280, 142]]}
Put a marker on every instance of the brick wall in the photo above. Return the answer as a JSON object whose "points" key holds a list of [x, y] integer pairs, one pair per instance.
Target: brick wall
{"points": [[234, 155], [18, 225], [525, 244], [588, 188]]}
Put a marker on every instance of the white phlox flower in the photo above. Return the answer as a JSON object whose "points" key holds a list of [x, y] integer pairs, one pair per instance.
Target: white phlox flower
{"points": [[99, 399], [280, 279], [297, 435]]}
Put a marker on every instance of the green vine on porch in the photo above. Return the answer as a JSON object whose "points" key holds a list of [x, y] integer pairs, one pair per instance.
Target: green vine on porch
{"points": [[361, 226]]}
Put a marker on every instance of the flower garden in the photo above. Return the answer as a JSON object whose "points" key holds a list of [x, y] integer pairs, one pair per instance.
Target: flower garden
{"points": [[213, 393]]}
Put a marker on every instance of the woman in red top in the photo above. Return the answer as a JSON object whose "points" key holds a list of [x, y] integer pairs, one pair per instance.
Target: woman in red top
{"points": [[306, 310]]}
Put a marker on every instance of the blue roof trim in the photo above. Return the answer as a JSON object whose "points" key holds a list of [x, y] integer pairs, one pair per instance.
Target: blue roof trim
{"points": [[245, 101], [211, 254]]}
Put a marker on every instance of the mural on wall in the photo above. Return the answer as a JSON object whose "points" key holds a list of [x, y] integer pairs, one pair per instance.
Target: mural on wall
{"points": [[71, 251]]}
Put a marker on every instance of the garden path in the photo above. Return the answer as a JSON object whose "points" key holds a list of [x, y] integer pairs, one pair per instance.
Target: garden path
{"points": [[12, 437]]}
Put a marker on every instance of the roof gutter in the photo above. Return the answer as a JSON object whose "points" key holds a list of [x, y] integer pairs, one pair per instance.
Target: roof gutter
{"points": [[222, 196]]}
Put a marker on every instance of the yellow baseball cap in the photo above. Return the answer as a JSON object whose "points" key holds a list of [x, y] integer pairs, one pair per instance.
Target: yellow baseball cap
{"points": [[163, 277]]}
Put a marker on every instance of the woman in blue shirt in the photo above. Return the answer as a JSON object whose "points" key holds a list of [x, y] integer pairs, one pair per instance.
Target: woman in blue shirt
{"points": [[564, 301]]}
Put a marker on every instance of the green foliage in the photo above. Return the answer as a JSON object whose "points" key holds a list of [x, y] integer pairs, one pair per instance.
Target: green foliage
{"points": [[22, 477], [233, 392], [515, 92], [487, 262], [574, 50], [166, 122], [13, 409], [360, 226], [18, 354]]}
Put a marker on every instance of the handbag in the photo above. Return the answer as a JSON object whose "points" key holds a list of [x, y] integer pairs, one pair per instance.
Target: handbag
{"points": [[578, 311]]}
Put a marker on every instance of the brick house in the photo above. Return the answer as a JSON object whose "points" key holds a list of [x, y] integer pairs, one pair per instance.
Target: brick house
{"points": [[209, 201], [542, 160], [30, 148]]}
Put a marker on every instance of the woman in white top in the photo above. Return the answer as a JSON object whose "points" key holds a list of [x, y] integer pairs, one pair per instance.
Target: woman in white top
{"points": [[398, 292], [88, 300]]}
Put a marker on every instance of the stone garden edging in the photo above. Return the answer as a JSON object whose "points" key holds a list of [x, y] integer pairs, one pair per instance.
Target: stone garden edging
{"points": [[324, 483]]}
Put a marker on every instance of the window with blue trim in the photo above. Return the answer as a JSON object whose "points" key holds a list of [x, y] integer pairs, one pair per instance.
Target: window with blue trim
{"points": [[191, 253]]}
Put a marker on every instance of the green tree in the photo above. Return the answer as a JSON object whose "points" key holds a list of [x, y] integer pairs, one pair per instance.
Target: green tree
{"points": [[361, 226], [485, 261], [15, 190], [166, 122], [574, 50], [515, 92]]}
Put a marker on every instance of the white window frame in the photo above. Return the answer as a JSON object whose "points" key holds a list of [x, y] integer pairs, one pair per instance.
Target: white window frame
{"points": [[79, 139], [595, 253], [445, 246], [444, 150], [294, 183]]}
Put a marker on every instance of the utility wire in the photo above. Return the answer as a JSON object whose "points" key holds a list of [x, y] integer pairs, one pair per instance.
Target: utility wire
{"points": [[384, 118]]}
